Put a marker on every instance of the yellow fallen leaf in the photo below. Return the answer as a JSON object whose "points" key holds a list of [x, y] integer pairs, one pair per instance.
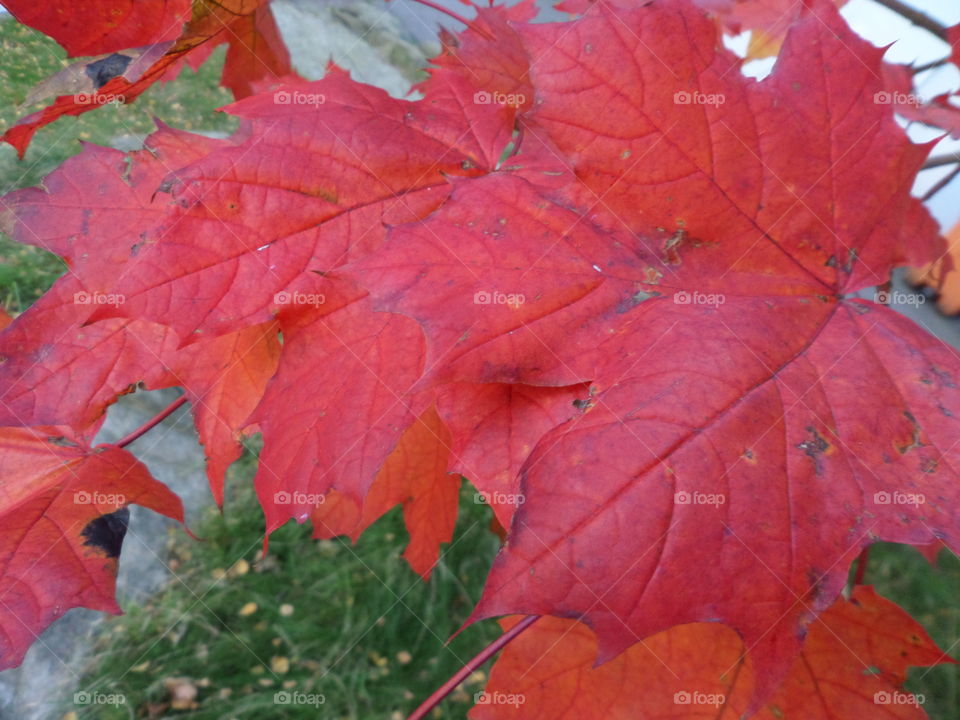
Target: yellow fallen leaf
{"points": [[932, 275]]}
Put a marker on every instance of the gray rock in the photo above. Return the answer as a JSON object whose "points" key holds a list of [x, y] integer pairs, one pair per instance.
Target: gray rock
{"points": [[362, 37]]}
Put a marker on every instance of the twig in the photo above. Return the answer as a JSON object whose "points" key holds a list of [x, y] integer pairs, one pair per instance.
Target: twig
{"points": [[153, 422], [861, 566], [917, 69], [451, 13], [940, 161], [478, 660], [941, 184], [916, 17]]}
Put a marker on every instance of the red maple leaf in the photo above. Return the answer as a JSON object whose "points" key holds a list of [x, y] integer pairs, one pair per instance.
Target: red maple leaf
{"points": [[696, 273], [103, 26], [62, 369], [62, 508], [853, 665], [594, 269]]}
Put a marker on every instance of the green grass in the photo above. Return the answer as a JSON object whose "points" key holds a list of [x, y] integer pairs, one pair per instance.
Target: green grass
{"points": [[932, 596], [363, 630]]}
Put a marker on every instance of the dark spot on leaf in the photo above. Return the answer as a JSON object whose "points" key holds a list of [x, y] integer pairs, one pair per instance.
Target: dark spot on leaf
{"points": [[915, 442], [814, 446], [61, 441], [127, 170], [851, 259], [928, 466], [105, 70], [106, 532], [944, 377], [635, 300], [331, 196]]}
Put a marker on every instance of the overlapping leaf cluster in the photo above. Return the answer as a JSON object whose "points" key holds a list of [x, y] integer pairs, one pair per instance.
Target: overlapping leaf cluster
{"points": [[594, 269]]}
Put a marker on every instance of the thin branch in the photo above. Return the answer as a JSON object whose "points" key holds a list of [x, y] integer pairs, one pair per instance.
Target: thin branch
{"points": [[916, 17], [451, 13], [479, 659], [153, 422], [861, 566], [940, 161], [941, 184], [917, 69]]}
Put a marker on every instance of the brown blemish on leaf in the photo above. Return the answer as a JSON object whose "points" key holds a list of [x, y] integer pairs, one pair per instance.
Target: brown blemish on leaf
{"points": [[106, 532], [814, 446], [917, 431]]}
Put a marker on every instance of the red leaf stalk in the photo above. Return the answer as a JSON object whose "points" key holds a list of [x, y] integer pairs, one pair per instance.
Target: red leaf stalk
{"points": [[478, 660], [452, 14], [153, 422]]}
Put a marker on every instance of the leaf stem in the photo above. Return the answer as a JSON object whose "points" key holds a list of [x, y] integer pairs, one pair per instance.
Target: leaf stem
{"points": [[940, 161], [917, 69], [861, 566], [153, 422], [941, 184], [452, 14], [478, 660], [915, 16]]}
